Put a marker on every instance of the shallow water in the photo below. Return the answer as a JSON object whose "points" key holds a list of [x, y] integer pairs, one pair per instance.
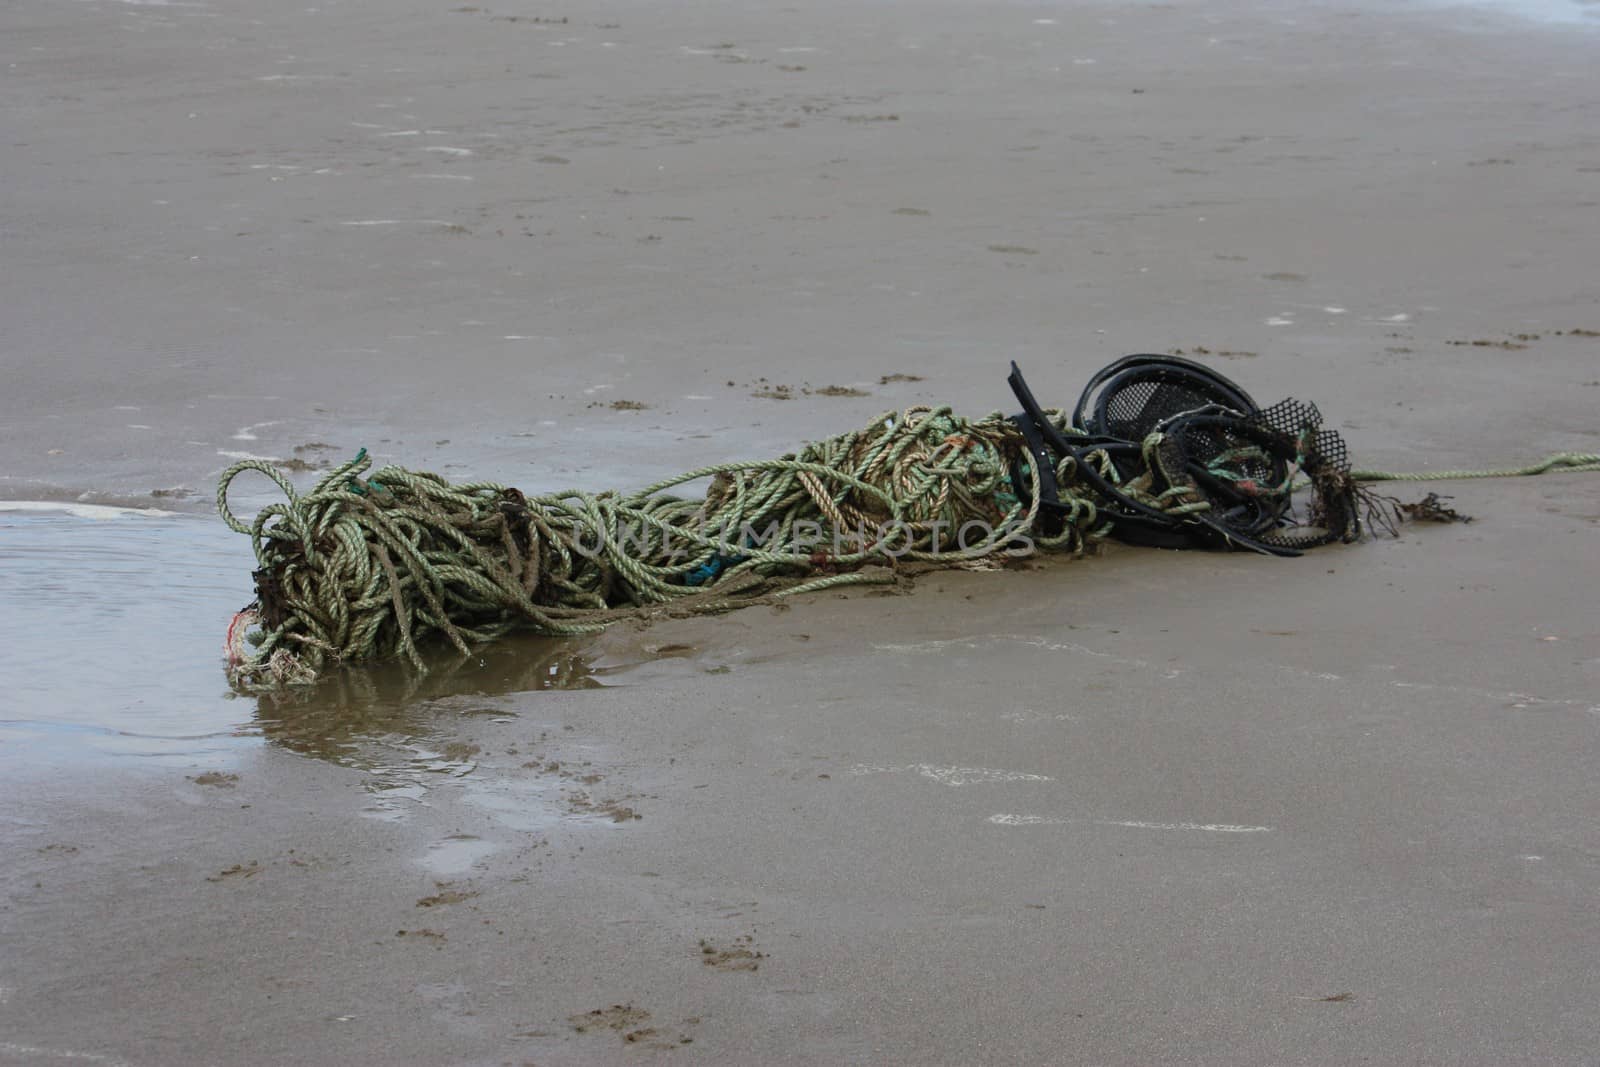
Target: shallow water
{"points": [[112, 623], [110, 630], [1563, 12]]}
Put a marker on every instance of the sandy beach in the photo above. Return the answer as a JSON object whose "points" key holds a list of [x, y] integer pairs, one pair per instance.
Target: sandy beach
{"points": [[1142, 808]]}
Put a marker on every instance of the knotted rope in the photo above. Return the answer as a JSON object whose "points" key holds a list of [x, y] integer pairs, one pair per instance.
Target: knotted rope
{"points": [[366, 565]]}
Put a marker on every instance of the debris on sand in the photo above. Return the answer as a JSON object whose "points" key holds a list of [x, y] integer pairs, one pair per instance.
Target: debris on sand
{"points": [[238, 870], [447, 894], [1432, 508], [216, 778], [618, 1017], [741, 957]]}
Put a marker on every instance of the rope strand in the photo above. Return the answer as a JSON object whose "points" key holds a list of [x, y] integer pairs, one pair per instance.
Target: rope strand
{"points": [[1556, 461]]}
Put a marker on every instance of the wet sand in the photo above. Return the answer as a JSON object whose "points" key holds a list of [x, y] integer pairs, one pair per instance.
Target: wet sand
{"points": [[1143, 808]]}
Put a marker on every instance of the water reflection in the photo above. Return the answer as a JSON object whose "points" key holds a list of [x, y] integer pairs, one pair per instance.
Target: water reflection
{"points": [[112, 625], [109, 622], [333, 718]]}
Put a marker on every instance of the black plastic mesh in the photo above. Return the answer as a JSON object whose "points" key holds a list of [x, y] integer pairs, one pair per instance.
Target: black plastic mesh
{"points": [[1144, 395], [1294, 417], [1134, 410], [1130, 404], [1239, 463], [1243, 464]]}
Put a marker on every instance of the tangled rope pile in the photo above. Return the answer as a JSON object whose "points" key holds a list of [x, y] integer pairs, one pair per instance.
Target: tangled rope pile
{"points": [[366, 566], [370, 565]]}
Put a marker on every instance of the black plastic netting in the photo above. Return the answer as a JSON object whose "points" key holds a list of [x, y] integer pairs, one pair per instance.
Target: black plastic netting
{"points": [[1249, 465], [1186, 457]]}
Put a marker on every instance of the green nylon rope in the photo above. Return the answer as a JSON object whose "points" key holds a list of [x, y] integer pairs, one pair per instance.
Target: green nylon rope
{"points": [[1557, 461], [367, 566]]}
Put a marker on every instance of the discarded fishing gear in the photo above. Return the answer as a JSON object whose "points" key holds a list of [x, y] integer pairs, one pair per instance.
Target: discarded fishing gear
{"points": [[1178, 456], [371, 565]]}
